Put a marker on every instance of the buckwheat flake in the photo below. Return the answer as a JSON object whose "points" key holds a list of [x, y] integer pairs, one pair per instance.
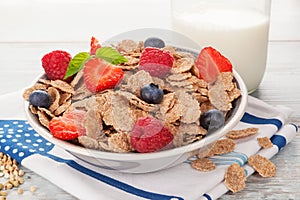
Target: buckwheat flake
{"points": [[167, 103], [132, 63], [33, 109], [81, 93], [77, 78], [93, 125], [234, 94], [46, 111], [121, 113], [206, 106], [64, 97], [89, 142], [138, 80], [55, 96], [62, 108], [199, 97], [188, 133], [119, 142], [242, 133], [222, 146], [262, 165], [179, 77], [43, 118], [63, 86], [235, 178], [218, 96], [203, 164], [190, 110], [226, 78], [37, 86], [127, 46], [182, 65], [265, 142]]}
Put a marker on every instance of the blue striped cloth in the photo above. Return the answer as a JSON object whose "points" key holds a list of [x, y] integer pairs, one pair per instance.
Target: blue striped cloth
{"points": [[84, 181]]}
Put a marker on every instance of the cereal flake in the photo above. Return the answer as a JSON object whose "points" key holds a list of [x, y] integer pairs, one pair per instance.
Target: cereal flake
{"points": [[235, 178], [262, 165]]}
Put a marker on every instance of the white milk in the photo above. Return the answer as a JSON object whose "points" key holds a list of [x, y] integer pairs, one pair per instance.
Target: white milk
{"points": [[240, 35]]}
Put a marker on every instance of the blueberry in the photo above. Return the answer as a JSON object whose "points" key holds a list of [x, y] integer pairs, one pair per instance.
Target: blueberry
{"points": [[212, 120], [152, 94], [154, 42], [40, 98]]}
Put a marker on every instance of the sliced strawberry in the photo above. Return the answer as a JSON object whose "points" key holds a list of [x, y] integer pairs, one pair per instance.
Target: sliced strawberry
{"points": [[69, 126], [95, 44], [156, 61], [100, 75], [210, 63]]}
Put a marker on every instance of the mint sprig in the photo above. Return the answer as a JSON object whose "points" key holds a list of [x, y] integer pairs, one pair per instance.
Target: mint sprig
{"points": [[110, 55], [77, 63], [106, 53]]}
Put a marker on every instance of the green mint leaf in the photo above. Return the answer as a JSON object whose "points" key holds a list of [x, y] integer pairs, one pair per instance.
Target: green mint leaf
{"points": [[76, 64], [110, 55]]}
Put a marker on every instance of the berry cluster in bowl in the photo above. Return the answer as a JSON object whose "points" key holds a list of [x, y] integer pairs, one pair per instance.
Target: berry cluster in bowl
{"points": [[133, 96]]}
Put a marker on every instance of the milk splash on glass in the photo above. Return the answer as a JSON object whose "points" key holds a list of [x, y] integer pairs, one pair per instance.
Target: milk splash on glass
{"points": [[239, 34]]}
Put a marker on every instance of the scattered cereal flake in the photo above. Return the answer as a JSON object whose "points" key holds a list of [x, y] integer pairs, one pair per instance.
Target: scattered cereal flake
{"points": [[55, 96], [265, 142], [262, 165], [203, 164], [182, 65], [63, 86], [235, 178], [222, 146], [119, 142], [237, 134], [43, 118]]}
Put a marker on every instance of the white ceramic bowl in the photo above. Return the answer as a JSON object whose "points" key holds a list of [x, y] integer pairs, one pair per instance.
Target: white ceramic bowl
{"points": [[145, 162]]}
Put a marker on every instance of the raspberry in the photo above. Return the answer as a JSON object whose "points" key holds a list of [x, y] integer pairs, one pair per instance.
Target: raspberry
{"points": [[56, 63], [149, 135], [156, 61]]}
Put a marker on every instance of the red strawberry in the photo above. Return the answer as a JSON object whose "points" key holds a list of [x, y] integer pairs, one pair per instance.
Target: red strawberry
{"points": [[95, 44], [210, 63], [149, 135], [56, 63], [100, 75], [69, 126], [156, 61]]}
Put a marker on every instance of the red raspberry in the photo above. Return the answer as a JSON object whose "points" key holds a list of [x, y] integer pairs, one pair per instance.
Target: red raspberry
{"points": [[56, 63], [149, 135], [156, 61]]}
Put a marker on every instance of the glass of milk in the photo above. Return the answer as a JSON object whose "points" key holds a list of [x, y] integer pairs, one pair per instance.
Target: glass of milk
{"points": [[239, 29]]}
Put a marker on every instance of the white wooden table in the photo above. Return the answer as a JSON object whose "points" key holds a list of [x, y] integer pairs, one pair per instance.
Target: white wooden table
{"points": [[20, 64]]}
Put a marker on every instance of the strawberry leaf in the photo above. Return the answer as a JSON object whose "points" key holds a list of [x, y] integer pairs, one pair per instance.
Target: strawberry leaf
{"points": [[77, 63], [110, 55]]}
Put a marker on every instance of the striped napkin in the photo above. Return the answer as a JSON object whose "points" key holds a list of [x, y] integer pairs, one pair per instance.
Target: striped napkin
{"points": [[84, 181]]}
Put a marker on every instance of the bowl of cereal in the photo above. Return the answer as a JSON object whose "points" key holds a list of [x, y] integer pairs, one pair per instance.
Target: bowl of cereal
{"points": [[136, 106]]}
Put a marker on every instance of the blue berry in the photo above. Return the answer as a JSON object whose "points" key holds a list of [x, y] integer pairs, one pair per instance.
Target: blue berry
{"points": [[40, 98], [152, 94], [212, 120], [154, 42]]}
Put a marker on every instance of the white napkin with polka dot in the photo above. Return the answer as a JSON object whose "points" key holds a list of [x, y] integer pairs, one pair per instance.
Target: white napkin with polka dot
{"points": [[84, 181]]}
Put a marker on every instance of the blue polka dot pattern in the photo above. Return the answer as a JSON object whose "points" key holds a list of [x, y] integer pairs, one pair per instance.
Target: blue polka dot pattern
{"points": [[19, 140]]}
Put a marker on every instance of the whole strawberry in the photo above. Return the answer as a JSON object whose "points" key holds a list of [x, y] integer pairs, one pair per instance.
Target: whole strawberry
{"points": [[56, 63], [149, 135], [156, 61]]}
